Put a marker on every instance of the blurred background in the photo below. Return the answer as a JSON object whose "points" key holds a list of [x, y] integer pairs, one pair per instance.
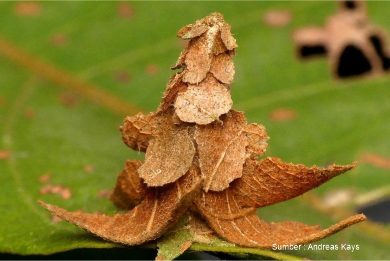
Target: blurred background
{"points": [[71, 71]]}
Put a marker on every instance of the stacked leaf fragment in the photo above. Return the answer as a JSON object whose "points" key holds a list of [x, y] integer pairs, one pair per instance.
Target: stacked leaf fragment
{"points": [[201, 176]]}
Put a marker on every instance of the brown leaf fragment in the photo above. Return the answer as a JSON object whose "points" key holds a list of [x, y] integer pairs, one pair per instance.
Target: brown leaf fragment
{"points": [[228, 38], [219, 46], [174, 86], [197, 61], [270, 181], [257, 140], [203, 103], [221, 148], [160, 209], [250, 231], [129, 189], [137, 131], [222, 67], [169, 155], [190, 31]]}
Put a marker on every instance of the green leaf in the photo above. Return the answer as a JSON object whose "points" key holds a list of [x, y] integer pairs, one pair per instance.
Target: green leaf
{"points": [[59, 113]]}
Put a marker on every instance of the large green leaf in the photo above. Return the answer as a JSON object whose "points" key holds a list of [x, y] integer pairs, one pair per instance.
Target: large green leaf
{"points": [[56, 115]]}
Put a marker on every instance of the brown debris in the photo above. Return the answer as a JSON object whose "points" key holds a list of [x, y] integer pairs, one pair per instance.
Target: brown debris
{"points": [[203, 103], [376, 160], [283, 115], [27, 8], [44, 178], [63, 192], [221, 148], [277, 18], [353, 45]]}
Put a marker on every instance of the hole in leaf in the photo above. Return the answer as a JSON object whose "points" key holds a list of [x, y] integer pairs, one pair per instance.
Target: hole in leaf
{"points": [[350, 4], [377, 43], [352, 62], [307, 51], [378, 211]]}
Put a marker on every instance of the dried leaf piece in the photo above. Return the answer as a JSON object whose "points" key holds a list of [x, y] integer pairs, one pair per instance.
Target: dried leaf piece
{"points": [[231, 213], [250, 231], [228, 38], [169, 155], [257, 140], [221, 148], [129, 189], [160, 210], [203, 103], [192, 31], [174, 86], [270, 181], [137, 131], [197, 61], [222, 67]]}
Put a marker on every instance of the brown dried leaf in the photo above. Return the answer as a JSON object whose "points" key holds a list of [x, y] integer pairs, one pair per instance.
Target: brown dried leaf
{"points": [[129, 189], [174, 86], [137, 131], [197, 60], [257, 140], [232, 212], [228, 38], [270, 181], [221, 149], [250, 231], [192, 31], [222, 67], [169, 155], [203, 103], [160, 209]]}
